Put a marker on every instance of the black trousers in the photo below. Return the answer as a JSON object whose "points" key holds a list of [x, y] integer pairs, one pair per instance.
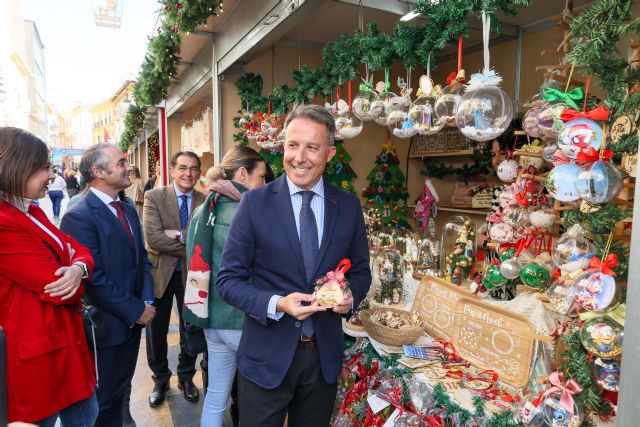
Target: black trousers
{"points": [[157, 331], [303, 394], [116, 366]]}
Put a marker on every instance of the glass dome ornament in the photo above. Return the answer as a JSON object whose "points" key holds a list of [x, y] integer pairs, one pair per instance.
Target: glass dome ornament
{"points": [[446, 106], [484, 113], [595, 290], [556, 415], [598, 182], [548, 152], [457, 249], [422, 113], [515, 215], [530, 122], [510, 268], [549, 123], [542, 217], [561, 295], [561, 182], [507, 170], [572, 251], [530, 411], [362, 104], [389, 270], [577, 136], [535, 275], [607, 373], [602, 336], [381, 107], [428, 258], [348, 125], [507, 197], [400, 121], [501, 232]]}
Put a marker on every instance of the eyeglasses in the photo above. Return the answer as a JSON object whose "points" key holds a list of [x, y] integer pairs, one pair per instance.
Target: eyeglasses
{"points": [[183, 169]]}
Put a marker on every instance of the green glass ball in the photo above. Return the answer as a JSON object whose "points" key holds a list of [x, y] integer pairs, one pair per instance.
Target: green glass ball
{"points": [[535, 275], [508, 254], [494, 276]]}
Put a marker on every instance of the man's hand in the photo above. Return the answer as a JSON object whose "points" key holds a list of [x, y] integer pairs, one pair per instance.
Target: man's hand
{"points": [[147, 315], [67, 285], [346, 304], [172, 234], [294, 305]]}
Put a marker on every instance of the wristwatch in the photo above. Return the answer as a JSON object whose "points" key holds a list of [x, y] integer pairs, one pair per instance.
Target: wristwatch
{"points": [[85, 269]]}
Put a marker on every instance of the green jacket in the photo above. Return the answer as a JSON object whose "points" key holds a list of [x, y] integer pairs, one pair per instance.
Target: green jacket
{"points": [[221, 314]]}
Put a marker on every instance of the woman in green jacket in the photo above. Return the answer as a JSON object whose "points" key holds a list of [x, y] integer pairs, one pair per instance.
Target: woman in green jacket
{"points": [[242, 169]]}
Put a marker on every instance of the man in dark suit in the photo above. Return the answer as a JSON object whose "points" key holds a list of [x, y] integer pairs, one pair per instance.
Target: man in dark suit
{"points": [[121, 286], [166, 219], [284, 236]]}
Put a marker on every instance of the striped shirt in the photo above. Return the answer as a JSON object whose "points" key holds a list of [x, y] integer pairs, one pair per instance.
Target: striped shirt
{"points": [[317, 205]]}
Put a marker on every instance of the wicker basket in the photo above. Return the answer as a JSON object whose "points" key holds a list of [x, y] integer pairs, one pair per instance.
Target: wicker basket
{"points": [[386, 335]]}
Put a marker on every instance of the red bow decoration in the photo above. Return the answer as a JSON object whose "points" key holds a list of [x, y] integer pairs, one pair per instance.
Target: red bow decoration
{"points": [[592, 155], [600, 114], [568, 389], [451, 78], [521, 199], [605, 265]]}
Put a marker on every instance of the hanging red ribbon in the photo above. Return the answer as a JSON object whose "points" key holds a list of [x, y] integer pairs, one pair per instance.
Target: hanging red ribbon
{"points": [[568, 389], [268, 108], [592, 155], [459, 53], [341, 269], [605, 265], [586, 93], [599, 114]]}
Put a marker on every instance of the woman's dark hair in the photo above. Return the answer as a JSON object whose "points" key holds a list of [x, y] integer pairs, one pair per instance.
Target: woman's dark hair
{"points": [[136, 172], [22, 154], [268, 176]]}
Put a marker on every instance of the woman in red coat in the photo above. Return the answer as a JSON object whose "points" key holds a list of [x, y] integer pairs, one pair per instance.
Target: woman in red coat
{"points": [[50, 371]]}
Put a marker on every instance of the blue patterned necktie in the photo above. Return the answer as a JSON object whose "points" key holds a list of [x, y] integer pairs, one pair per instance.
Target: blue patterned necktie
{"points": [[309, 246], [184, 218]]}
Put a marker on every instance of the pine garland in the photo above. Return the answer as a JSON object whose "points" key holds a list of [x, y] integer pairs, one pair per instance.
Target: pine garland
{"points": [[480, 166], [133, 122]]}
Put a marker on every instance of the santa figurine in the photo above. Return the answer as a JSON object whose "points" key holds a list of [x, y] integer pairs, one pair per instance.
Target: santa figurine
{"points": [[196, 292]]}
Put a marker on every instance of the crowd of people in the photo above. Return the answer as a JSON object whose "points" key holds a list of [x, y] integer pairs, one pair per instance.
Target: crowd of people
{"points": [[239, 258]]}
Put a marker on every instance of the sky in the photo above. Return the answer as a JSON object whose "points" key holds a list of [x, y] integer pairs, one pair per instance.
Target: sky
{"points": [[85, 63]]}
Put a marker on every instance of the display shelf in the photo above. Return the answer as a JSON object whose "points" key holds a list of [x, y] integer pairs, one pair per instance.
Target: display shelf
{"points": [[442, 154], [468, 211]]}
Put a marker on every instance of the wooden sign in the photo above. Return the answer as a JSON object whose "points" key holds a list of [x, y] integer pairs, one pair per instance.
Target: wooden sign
{"points": [[493, 338], [448, 139], [436, 302]]}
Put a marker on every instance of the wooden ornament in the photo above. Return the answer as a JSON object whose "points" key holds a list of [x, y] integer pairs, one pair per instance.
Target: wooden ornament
{"points": [[330, 294]]}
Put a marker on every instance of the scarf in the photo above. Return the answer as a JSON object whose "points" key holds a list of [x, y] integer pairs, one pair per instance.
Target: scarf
{"points": [[199, 249]]}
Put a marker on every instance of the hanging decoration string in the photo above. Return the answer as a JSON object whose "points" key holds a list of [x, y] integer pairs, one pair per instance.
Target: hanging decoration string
{"points": [[586, 94], [269, 107], [459, 53], [486, 31], [573, 66], [429, 67]]}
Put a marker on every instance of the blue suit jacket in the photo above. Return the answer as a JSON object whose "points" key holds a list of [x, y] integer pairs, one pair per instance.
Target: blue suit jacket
{"points": [[121, 279], [262, 257]]}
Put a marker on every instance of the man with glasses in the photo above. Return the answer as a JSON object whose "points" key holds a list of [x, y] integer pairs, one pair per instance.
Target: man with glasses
{"points": [[166, 216]]}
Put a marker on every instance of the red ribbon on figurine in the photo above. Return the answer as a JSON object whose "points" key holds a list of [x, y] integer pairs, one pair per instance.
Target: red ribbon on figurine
{"points": [[605, 265], [600, 114], [592, 155], [338, 273], [568, 389]]}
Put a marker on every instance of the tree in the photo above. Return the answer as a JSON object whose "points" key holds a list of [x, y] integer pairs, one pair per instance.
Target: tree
{"points": [[338, 171]]}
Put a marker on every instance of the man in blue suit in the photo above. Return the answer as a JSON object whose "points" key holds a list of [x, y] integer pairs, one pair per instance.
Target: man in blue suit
{"points": [[121, 286], [284, 236]]}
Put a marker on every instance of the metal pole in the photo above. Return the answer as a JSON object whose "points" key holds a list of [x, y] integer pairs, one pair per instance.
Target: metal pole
{"points": [[628, 403]]}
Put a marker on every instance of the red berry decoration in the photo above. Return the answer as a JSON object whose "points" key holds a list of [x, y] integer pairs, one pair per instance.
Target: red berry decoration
{"points": [[167, 7], [175, 29], [178, 6]]}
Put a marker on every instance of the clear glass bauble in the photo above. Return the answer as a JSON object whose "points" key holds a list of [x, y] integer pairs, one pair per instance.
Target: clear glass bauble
{"points": [[530, 122], [422, 113], [530, 414], [501, 232], [555, 415], [484, 113], [447, 104], [457, 248], [598, 182], [348, 126], [507, 197], [561, 182], [381, 106], [389, 270], [572, 251], [510, 268], [602, 336], [515, 215], [535, 275], [407, 243], [400, 121], [362, 105], [507, 170], [595, 291], [577, 136], [269, 126], [542, 217], [549, 123], [607, 373], [428, 257], [561, 295], [548, 151]]}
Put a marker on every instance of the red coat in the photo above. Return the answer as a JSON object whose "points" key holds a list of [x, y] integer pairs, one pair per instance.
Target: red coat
{"points": [[49, 365]]}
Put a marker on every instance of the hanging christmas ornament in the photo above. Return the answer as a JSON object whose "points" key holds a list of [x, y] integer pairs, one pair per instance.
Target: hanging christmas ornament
{"points": [[595, 290], [549, 123], [607, 373], [577, 136], [501, 232], [530, 122], [507, 170], [269, 126], [494, 275], [542, 217], [381, 107], [558, 407], [510, 268], [447, 104], [598, 182], [505, 254], [425, 82], [348, 126], [535, 275], [602, 336], [507, 197], [363, 101], [572, 251], [515, 215], [561, 294], [400, 121], [485, 110], [548, 151], [422, 114], [530, 412], [561, 182]]}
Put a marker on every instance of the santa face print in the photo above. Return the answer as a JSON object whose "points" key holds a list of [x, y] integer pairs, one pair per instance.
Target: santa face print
{"points": [[196, 294]]}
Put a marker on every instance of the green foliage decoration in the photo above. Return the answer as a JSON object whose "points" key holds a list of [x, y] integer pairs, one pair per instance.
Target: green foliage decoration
{"points": [[133, 123], [339, 171], [481, 162]]}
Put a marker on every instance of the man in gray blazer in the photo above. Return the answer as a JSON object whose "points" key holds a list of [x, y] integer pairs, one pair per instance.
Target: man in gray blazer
{"points": [[166, 216]]}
